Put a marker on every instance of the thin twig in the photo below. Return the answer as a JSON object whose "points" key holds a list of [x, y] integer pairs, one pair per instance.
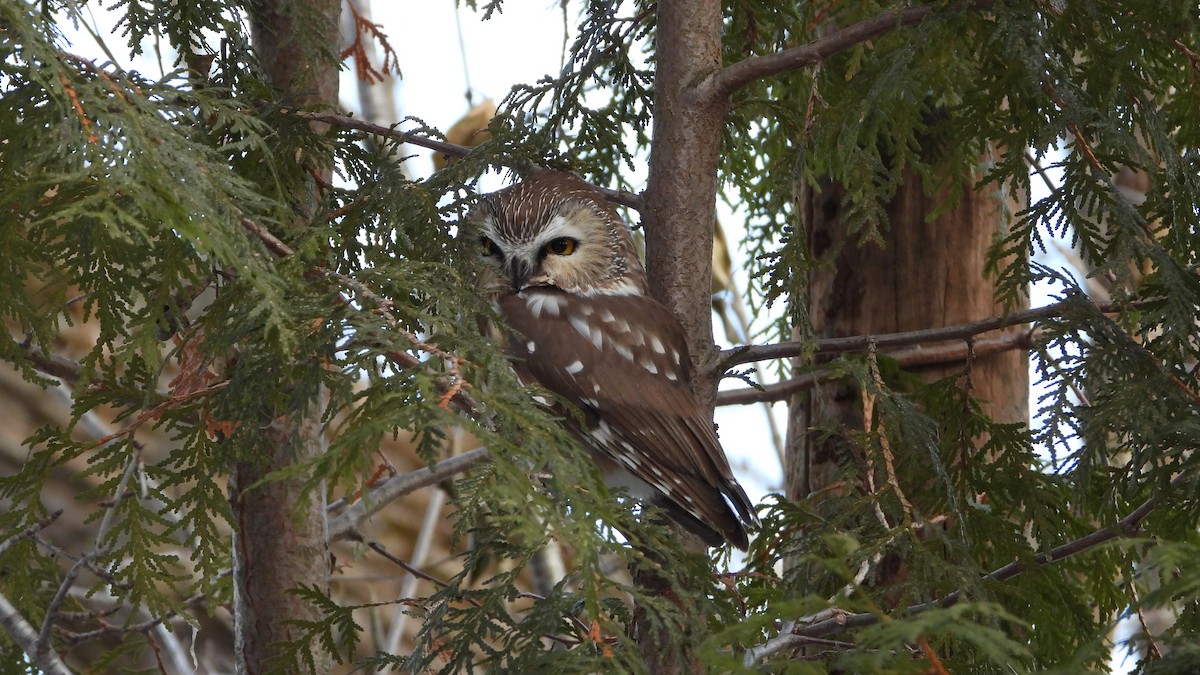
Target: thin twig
{"points": [[885, 447], [98, 550], [398, 486], [1152, 647], [868, 420], [400, 562], [622, 197], [73, 638], [935, 664], [381, 550], [429, 526], [1051, 186], [88, 562], [30, 531]]}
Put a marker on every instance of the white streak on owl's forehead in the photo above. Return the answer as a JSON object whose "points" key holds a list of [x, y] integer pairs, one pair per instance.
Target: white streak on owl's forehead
{"points": [[528, 248], [522, 219]]}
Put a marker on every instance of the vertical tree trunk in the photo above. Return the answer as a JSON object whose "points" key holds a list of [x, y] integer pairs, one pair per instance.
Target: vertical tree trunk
{"points": [[928, 274], [281, 541], [680, 199], [678, 214]]}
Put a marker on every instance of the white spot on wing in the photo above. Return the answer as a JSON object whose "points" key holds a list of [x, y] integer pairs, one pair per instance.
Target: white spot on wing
{"points": [[575, 367], [607, 316], [602, 432], [623, 351], [531, 346], [657, 345], [586, 330], [648, 365]]}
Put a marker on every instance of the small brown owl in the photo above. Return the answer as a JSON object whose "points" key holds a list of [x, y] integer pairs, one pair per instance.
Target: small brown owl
{"points": [[561, 269]]}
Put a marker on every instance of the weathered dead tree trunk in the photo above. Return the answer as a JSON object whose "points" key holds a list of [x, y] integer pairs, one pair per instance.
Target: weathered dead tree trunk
{"points": [[927, 274]]}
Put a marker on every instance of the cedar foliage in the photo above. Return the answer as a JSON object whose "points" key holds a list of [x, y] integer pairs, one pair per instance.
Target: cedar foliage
{"points": [[129, 198]]}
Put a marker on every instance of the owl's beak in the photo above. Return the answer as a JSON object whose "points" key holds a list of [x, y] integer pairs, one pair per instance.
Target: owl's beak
{"points": [[518, 274]]}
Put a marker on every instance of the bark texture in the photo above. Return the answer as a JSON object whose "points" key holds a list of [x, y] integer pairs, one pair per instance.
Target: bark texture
{"points": [[678, 213], [281, 542], [680, 200], [928, 274]]}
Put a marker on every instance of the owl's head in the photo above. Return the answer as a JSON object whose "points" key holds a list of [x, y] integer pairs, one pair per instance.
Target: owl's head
{"points": [[554, 230]]}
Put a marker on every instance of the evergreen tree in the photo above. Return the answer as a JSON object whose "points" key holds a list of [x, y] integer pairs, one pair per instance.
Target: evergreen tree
{"points": [[248, 303]]}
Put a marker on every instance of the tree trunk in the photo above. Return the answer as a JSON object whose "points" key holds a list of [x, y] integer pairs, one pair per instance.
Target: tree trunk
{"points": [[281, 542], [678, 214], [681, 191], [927, 274]]}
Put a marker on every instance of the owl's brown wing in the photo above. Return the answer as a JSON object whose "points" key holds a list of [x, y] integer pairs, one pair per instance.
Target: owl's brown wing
{"points": [[623, 361]]}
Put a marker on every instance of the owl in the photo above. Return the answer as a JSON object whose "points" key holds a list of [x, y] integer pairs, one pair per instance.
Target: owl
{"points": [[560, 267]]}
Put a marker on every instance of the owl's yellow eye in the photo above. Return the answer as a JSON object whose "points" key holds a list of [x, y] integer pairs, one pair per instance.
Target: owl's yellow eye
{"points": [[490, 250], [562, 246]]}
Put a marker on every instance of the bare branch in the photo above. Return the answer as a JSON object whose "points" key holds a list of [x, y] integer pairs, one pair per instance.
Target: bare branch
{"points": [[73, 638], [51, 364], [347, 122], [920, 355], [85, 560], [398, 486], [420, 551], [622, 197], [834, 620], [790, 349], [720, 85], [46, 659], [30, 531]]}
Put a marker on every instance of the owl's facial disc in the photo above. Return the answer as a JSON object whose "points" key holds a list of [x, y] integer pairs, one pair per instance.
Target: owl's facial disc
{"points": [[531, 237], [570, 251]]}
